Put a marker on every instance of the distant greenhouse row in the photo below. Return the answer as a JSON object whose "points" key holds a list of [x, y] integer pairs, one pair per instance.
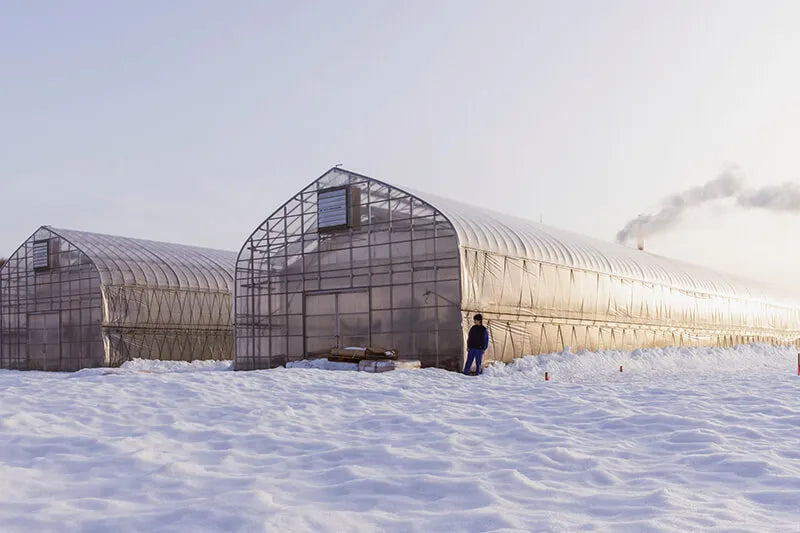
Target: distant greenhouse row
{"points": [[352, 261], [72, 299]]}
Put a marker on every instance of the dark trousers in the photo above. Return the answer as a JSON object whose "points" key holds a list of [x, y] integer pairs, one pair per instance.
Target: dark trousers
{"points": [[474, 355]]}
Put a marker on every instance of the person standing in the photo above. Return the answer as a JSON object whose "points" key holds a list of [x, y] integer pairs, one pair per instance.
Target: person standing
{"points": [[477, 343]]}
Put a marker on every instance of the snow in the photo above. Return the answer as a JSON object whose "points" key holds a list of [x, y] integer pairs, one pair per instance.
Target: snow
{"points": [[323, 364], [157, 367], [681, 440]]}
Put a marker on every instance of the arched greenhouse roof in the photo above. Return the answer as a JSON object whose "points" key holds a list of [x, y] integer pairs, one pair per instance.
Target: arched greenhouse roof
{"points": [[127, 261], [483, 229]]}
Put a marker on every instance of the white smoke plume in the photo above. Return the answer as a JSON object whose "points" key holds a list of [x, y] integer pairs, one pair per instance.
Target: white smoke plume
{"points": [[729, 184], [784, 197]]}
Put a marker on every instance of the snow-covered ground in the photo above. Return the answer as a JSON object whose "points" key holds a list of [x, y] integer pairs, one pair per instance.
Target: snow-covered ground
{"points": [[681, 440]]}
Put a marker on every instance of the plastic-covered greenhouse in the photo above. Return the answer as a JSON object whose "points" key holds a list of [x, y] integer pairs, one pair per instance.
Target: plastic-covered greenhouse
{"points": [[72, 299], [353, 261]]}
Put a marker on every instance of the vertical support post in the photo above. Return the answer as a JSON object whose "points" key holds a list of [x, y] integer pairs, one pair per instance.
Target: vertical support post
{"points": [[546, 377], [620, 368]]}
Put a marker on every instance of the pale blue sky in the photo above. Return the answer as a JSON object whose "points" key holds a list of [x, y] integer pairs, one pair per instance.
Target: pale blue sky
{"points": [[192, 121]]}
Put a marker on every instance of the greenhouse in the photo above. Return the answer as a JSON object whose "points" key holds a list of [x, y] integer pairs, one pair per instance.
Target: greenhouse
{"points": [[351, 261], [72, 299]]}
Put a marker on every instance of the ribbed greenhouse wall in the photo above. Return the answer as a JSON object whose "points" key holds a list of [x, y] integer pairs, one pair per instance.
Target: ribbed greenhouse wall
{"points": [[102, 300], [166, 323], [534, 307], [389, 280]]}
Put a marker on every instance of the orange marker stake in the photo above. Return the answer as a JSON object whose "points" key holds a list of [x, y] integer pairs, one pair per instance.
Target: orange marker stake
{"points": [[620, 368], [546, 377]]}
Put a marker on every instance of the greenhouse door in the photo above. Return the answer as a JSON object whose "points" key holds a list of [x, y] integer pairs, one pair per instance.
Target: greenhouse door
{"points": [[44, 341], [336, 320]]}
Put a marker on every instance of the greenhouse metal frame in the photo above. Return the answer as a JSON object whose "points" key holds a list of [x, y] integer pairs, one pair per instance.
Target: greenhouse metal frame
{"points": [[72, 299], [407, 271]]}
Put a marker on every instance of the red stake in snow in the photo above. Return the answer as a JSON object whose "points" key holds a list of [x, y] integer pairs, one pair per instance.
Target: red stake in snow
{"points": [[546, 377], [620, 368]]}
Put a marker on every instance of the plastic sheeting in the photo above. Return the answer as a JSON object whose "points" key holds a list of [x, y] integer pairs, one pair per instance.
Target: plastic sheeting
{"points": [[540, 289], [543, 290], [123, 261], [103, 300]]}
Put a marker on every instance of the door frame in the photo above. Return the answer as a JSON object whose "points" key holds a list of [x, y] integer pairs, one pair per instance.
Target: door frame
{"points": [[28, 329], [336, 313]]}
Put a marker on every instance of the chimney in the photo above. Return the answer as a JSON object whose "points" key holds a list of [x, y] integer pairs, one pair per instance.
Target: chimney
{"points": [[640, 243]]}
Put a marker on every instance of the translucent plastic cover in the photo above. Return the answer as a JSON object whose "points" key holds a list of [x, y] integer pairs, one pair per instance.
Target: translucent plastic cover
{"points": [[413, 269], [97, 300]]}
